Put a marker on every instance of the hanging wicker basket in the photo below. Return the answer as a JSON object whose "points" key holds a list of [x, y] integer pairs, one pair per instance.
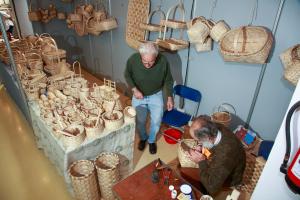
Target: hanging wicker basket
{"points": [[247, 44], [107, 165], [218, 30], [35, 15], [198, 30], [183, 154], [84, 180], [206, 46]]}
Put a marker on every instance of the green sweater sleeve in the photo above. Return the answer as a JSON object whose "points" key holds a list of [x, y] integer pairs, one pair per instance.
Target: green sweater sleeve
{"points": [[168, 83], [214, 172], [128, 74]]}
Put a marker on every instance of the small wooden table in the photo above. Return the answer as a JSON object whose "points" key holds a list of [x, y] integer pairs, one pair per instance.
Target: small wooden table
{"points": [[140, 186]]}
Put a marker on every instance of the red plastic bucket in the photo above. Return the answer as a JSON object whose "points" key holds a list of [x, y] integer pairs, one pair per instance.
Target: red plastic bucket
{"points": [[174, 133]]}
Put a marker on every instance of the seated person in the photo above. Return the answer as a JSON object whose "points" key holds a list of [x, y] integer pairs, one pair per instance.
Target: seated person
{"points": [[226, 164]]}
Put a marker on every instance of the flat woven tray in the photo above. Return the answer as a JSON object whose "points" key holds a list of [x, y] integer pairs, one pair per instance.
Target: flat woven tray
{"points": [[137, 13]]}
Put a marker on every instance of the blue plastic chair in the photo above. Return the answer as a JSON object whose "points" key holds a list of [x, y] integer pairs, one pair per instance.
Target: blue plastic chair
{"points": [[177, 118]]}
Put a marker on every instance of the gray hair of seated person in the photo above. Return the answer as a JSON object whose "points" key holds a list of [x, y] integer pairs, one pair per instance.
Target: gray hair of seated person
{"points": [[148, 48], [208, 127]]}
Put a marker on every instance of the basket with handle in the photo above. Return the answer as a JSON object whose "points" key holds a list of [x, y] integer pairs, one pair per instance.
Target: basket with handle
{"points": [[91, 26], [218, 30], [205, 46], [222, 114], [138, 11], [34, 61], [115, 122], [35, 15], [84, 180], [183, 153], [93, 127], [148, 26], [53, 56], [198, 30], [174, 44], [292, 64], [107, 165], [106, 24]]}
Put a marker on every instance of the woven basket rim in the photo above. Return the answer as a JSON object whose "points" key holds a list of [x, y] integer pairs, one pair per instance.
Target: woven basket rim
{"points": [[85, 175], [107, 154], [262, 28], [221, 112]]}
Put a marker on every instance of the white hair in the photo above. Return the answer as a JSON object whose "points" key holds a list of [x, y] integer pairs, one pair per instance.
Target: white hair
{"points": [[148, 48]]}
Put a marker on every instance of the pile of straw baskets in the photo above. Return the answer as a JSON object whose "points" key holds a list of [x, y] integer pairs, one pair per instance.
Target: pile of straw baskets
{"points": [[94, 179]]}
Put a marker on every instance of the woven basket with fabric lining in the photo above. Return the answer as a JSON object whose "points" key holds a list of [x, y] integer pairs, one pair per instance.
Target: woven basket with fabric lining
{"points": [[247, 44], [183, 154], [253, 170], [84, 180], [108, 171], [138, 11]]}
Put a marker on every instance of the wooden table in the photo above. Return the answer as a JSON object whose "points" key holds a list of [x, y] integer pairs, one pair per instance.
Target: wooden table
{"points": [[139, 185]]}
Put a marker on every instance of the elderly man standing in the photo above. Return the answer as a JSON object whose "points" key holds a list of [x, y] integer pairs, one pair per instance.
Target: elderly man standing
{"points": [[147, 74], [226, 164]]}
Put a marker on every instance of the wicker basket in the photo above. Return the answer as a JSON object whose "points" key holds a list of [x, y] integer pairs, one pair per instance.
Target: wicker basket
{"points": [[222, 114], [198, 30], [175, 24], [91, 130], [112, 124], [172, 44], [107, 165], [84, 180], [53, 56], [253, 170], [107, 24], [206, 46], [137, 13], [34, 61], [129, 114], [219, 30], [34, 16], [291, 62], [71, 142], [91, 26], [183, 155], [248, 44]]}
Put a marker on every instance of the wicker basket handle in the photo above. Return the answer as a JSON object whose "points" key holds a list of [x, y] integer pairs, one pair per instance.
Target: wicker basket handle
{"points": [[174, 8], [294, 53], [79, 67], [31, 54], [227, 104], [236, 38]]}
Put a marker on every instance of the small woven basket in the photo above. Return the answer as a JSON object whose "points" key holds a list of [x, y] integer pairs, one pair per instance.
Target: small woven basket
{"points": [[107, 24], [183, 154], [206, 46], [71, 142], [93, 132], [219, 30], [222, 114], [129, 114], [172, 44], [247, 44], [107, 165], [198, 30], [84, 180], [112, 124]]}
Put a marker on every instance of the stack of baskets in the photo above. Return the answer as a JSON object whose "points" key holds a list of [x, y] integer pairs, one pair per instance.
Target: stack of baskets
{"points": [[88, 178]]}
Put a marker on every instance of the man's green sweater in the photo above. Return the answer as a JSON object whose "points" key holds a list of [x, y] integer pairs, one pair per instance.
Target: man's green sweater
{"points": [[226, 164], [149, 80]]}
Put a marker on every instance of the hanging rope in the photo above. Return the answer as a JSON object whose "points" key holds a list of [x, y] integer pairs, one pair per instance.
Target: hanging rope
{"points": [[253, 14], [212, 8]]}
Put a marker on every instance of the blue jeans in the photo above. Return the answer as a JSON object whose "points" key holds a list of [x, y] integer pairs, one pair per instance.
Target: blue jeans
{"points": [[154, 104]]}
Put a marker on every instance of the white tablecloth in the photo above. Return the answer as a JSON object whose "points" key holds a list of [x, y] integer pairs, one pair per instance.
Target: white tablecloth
{"points": [[120, 141]]}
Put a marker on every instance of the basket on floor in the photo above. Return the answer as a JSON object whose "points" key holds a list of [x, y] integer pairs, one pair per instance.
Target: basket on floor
{"points": [[107, 165], [84, 180], [247, 44], [183, 154], [253, 170]]}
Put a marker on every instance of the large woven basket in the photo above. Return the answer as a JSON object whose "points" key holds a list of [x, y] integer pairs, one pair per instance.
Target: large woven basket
{"points": [[84, 180], [138, 11], [107, 165], [247, 44], [253, 170], [183, 154]]}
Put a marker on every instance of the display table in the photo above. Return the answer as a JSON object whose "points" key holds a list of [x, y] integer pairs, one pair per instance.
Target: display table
{"points": [[120, 141]]}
